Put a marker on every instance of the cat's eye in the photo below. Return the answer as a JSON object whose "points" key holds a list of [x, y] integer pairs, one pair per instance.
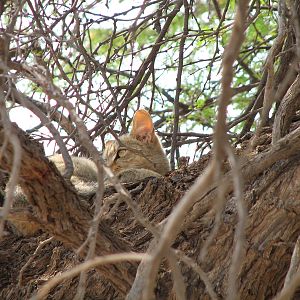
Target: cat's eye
{"points": [[121, 153]]}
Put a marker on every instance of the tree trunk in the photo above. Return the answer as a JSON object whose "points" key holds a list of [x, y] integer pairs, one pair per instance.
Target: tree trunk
{"points": [[271, 193]]}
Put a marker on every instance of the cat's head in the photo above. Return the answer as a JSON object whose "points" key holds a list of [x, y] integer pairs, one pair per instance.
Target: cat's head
{"points": [[140, 148]]}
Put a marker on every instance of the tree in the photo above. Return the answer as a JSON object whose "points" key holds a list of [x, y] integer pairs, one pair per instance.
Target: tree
{"points": [[226, 225]]}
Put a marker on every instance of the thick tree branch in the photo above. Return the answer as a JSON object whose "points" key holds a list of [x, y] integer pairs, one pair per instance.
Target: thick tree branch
{"points": [[60, 212]]}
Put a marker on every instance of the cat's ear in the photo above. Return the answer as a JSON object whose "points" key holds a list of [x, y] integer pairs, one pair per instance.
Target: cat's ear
{"points": [[142, 128]]}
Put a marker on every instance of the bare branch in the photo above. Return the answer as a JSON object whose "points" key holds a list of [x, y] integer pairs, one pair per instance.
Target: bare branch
{"points": [[109, 259]]}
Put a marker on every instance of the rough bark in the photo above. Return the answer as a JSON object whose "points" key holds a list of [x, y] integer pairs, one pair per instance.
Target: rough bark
{"points": [[272, 196], [286, 111], [58, 210]]}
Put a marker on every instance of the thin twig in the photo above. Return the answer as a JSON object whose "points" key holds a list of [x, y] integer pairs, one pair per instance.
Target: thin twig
{"points": [[220, 135], [294, 266], [290, 288], [178, 286], [190, 262], [174, 224], [69, 168], [108, 259], [32, 257], [12, 138], [178, 86], [239, 238]]}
